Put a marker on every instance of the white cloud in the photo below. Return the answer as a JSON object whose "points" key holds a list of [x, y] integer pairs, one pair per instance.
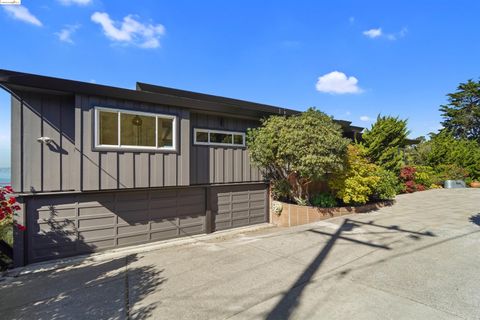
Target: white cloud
{"points": [[77, 2], [66, 33], [130, 31], [22, 13], [376, 33], [373, 33], [337, 82], [365, 118]]}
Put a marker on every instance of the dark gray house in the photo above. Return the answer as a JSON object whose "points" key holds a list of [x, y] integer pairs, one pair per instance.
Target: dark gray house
{"points": [[99, 167]]}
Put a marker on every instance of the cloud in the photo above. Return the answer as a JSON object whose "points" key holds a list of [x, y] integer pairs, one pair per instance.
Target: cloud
{"points": [[66, 33], [337, 83], [377, 33], [130, 31], [365, 118], [22, 13], [77, 2], [373, 33]]}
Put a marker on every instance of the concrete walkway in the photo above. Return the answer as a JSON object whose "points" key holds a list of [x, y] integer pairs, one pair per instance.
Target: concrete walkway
{"points": [[416, 260]]}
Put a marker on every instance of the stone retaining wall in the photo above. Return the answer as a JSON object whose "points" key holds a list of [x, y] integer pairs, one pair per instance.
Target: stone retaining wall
{"points": [[295, 215]]}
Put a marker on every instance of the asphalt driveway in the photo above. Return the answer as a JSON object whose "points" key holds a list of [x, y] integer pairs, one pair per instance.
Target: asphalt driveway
{"points": [[418, 259]]}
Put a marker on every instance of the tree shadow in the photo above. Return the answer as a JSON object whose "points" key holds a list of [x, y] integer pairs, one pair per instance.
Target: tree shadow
{"points": [[94, 291], [291, 298], [475, 219]]}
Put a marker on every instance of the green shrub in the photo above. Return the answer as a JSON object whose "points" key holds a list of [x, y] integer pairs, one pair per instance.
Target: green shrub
{"points": [[323, 200], [281, 190], [424, 175], [388, 185], [450, 172], [357, 182]]}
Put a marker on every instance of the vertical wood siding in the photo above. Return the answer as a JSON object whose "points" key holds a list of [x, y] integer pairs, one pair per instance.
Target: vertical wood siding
{"points": [[70, 161], [38, 167], [214, 164]]}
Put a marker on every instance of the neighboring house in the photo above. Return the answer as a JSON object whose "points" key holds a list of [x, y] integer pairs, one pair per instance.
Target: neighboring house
{"points": [[99, 167]]}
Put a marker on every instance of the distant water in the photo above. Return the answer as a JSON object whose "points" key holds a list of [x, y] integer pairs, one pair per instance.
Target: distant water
{"points": [[5, 176]]}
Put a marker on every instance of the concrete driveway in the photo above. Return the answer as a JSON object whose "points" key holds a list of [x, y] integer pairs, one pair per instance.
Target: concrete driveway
{"points": [[419, 259]]}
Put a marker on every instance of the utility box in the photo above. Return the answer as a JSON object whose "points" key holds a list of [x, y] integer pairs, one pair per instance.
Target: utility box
{"points": [[451, 184]]}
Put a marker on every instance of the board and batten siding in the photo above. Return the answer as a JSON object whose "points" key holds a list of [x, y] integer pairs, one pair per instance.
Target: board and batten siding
{"points": [[219, 164], [70, 163], [38, 167], [107, 170]]}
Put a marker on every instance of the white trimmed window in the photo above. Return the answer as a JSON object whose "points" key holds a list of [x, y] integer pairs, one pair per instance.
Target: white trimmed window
{"points": [[219, 138], [120, 129]]}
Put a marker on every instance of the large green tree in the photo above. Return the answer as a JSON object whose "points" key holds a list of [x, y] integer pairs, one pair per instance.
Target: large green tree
{"points": [[384, 142], [462, 113], [299, 149]]}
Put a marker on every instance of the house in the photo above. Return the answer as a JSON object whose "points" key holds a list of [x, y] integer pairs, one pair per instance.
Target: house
{"points": [[99, 167]]}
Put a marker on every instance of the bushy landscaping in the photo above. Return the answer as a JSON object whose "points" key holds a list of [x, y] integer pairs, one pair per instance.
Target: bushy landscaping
{"points": [[309, 162]]}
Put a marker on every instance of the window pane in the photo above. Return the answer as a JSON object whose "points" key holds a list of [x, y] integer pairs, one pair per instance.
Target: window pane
{"points": [[202, 136], [165, 132], [108, 128], [137, 130], [220, 138], [238, 139]]}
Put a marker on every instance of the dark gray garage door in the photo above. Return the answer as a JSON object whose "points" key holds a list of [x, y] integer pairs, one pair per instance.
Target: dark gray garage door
{"points": [[67, 225], [239, 206]]}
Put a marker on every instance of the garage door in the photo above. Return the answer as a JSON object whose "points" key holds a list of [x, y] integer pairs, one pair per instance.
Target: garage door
{"points": [[239, 206], [67, 225]]}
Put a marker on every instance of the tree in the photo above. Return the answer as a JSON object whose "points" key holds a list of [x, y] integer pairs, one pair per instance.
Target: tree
{"points": [[462, 113], [444, 149], [384, 142], [299, 149]]}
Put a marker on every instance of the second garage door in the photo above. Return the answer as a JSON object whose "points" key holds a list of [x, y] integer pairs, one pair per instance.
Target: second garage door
{"points": [[237, 206]]}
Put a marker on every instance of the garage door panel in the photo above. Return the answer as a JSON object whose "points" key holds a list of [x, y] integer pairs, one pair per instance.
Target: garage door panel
{"points": [[237, 206], [91, 222]]}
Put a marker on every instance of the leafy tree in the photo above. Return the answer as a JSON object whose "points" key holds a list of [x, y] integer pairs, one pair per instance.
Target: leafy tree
{"points": [[384, 142], [300, 149], [444, 149], [462, 113]]}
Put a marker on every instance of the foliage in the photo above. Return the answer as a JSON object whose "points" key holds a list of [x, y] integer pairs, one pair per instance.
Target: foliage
{"points": [[301, 148], [444, 149], [388, 185], [357, 182], [8, 209], [407, 175], [281, 190], [385, 140], [425, 175], [301, 201], [462, 113], [450, 172], [323, 200]]}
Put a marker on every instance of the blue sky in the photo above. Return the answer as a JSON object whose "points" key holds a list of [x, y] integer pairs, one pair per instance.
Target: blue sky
{"points": [[350, 59]]}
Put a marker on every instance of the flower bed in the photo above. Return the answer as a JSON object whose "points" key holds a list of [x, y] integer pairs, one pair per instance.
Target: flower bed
{"points": [[295, 215]]}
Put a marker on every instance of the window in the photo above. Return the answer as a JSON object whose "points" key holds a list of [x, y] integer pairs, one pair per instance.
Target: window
{"points": [[137, 130], [218, 137]]}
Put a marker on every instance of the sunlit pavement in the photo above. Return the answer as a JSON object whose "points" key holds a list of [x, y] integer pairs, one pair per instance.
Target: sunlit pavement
{"points": [[418, 259]]}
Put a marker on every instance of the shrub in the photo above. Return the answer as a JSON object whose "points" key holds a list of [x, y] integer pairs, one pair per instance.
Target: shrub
{"points": [[357, 182], [408, 176], [8, 209], [323, 200], [450, 172], [281, 190], [388, 185], [424, 175], [300, 148]]}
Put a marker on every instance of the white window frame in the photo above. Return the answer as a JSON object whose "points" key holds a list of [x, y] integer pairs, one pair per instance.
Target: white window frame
{"points": [[208, 131], [119, 146]]}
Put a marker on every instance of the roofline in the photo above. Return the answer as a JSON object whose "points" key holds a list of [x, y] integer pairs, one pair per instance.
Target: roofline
{"points": [[152, 94]]}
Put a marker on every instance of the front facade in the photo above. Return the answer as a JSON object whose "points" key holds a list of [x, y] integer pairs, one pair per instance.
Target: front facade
{"points": [[99, 167]]}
